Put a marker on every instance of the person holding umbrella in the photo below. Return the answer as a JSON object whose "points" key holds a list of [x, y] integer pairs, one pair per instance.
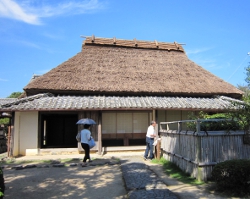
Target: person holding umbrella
{"points": [[85, 137]]}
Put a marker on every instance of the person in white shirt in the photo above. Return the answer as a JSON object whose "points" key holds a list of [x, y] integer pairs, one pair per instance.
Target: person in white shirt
{"points": [[150, 140], [85, 137]]}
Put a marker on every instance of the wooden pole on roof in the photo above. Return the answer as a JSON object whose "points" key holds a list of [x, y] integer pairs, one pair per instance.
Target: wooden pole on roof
{"points": [[156, 43], [93, 38], [135, 42]]}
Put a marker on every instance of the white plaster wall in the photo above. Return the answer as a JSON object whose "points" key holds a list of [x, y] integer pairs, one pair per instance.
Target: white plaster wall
{"points": [[25, 132]]}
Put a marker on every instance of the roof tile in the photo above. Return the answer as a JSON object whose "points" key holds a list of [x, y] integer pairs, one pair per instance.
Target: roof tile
{"points": [[42, 102]]}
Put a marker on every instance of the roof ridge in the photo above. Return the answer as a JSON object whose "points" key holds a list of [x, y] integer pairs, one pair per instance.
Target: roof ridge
{"points": [[92, 40]]}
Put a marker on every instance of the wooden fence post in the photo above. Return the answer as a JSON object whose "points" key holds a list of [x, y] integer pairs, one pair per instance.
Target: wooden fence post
{"points": [[158, 150], [198, 151]]}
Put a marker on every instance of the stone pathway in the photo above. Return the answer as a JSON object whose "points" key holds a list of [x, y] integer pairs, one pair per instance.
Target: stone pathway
{"points": [[141, 182]]}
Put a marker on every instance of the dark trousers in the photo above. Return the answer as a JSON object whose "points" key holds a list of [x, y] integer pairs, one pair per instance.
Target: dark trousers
{"points": [[149, 148], [86, 149]]}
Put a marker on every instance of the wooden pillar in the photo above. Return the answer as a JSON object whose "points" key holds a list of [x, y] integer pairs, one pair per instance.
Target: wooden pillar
{"points": [[154, 117], [11, 135], [8, 141], [100, 133]]}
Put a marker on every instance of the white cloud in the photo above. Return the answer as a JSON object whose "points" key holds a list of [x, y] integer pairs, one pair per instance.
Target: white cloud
{"points": [[71, 8], [3, 80], [30, 12], [12, 10], [41, 72], [197, 51], [203, 57], [26, 43], [52, 36]]}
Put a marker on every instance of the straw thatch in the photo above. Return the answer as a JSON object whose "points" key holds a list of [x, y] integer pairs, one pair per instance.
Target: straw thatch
{"points": [[122, 67]]}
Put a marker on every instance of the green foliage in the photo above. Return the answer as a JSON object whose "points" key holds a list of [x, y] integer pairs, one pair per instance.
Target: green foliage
{"points": [[247, 79], [226, 125], [245, 89], [233, 176], [15, 95], [174, 171], [13, 161], [2, 185], [4, 121], [242, 115]]}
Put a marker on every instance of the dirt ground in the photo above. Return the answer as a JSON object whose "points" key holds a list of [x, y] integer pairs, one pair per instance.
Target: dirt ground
{"points": [[99, 182]]}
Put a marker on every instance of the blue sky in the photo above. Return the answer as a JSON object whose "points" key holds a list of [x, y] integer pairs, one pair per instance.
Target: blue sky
{"points": [[36, 36]]}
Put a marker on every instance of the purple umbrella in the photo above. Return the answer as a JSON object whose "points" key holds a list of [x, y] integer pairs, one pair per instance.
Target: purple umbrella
{"points": [[86, 121]]}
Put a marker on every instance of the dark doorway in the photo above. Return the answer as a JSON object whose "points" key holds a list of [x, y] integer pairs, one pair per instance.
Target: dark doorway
{"points": [[59, 130]]}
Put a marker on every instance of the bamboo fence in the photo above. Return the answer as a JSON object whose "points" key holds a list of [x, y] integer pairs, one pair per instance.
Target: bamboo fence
{"points": [[197, 152]]}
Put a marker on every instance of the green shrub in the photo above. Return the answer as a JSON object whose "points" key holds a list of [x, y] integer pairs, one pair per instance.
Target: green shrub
{"points": [[233, 176], [2, 185], [223, 125]]}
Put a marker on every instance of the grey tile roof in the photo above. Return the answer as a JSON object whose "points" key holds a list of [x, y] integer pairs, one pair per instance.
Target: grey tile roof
{"points": [[7, 100], [43, 102]]}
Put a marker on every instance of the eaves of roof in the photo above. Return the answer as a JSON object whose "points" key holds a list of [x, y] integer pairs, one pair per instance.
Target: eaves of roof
{"points": [[49, 102]]}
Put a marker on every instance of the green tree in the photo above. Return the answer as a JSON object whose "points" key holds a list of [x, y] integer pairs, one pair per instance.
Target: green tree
{"points": [[242, 115], [15, 95], [247, 79], [245, 89], [5, 121]]}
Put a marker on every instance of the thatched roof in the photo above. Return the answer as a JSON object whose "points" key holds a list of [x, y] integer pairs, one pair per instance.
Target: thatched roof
{"points": [[123, 67]]}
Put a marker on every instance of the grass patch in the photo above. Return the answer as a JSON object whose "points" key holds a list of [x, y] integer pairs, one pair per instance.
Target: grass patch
{"points": [[175, 172], [70, 160], [13, 161]]}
